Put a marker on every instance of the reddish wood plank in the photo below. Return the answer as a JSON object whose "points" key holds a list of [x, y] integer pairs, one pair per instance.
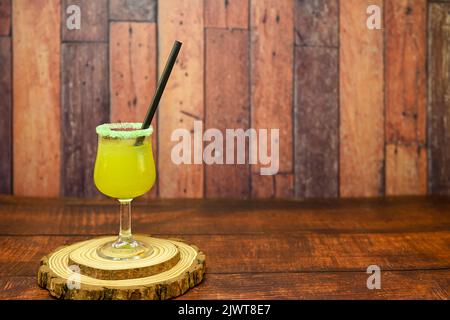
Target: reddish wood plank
{"points": [[317, 23], [405, 24], [85, 103], [133, 10], [284, 186], [5, 119], [183, 99], [94, 20], [97, 217], [227, 107], [361, 102], [272, 41], [430, 284], [133, 65], [439, 112], [406, 170], [308, 252], [5, 17], [317, 114], [226, 14], [36, 97]]}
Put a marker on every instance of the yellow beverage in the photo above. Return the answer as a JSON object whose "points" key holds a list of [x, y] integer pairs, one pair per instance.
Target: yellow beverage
{"points": [[124, 170]]}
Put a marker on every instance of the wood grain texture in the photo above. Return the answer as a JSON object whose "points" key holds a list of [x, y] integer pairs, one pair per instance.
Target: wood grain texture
{"points": [[36, 97], [430, 284], [6, 118], [133, 69], [405, 25], [311, 252], [227, 107], [317, 23], [5, 17], [439, 98], [85, 104], [316, 116], [94, 21], [406, 170], [183, 99], [99, 217], [133, 10], [319, 256], [272, 37], [226, 14], [361, 168], [53, 275]]}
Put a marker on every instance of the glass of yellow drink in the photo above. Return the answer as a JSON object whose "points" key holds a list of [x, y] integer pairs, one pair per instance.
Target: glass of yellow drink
{"points": [[124, 170]]}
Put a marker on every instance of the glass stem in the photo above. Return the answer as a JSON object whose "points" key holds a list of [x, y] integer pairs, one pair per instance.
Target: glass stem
{"points": [[125, 221]]}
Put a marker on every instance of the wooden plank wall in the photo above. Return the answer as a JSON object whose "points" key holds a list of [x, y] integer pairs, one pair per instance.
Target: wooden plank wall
{"points": [[351, 103], [317, 104], [439, 98]]}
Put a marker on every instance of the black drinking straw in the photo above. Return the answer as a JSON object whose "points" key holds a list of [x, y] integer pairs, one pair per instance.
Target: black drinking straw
{"points": [[160, 88]]}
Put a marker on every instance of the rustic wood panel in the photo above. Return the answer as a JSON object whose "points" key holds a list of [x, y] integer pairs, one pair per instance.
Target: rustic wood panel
{"points": [[405, 27], [284, 186], [316, 104], [133, 65], [406, 170], [85, 104], [429, 284], [439, 98], [133, 10], [226, 14], [183, 99], [36, 97], [254, 253], [228, 107], [94, 21], [361, 102], [5, 119], [316, 116], [97, 217], [5, 17], [272, 37], [317, 23]]}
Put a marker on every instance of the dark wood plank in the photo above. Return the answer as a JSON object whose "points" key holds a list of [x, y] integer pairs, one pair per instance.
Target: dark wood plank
{"points": [[439, 112], [316, 116], [317, 23], [6, 118], [133, 10], [85, 104], [272, 42], [432, 284], [405, 70], [183, 99], [133, 69], [5, 17], [36, 98], [72, 216], [228, 107], [94, 21], [309, 252], [226, 14], [361, 166]]}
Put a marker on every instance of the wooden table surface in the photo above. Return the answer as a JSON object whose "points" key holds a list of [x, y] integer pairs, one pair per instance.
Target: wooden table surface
{"points": [[255, 249]]}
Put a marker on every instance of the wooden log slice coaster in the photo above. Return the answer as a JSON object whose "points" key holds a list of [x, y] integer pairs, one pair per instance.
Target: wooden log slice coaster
{"points": [[165, 255], [62, 281]]}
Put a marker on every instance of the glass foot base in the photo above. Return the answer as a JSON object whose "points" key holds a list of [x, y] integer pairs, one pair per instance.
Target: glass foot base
{"points": [[121, 250]]}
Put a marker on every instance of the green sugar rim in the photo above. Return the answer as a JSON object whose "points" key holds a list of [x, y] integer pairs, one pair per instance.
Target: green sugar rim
{"points": [[106, 130]]}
